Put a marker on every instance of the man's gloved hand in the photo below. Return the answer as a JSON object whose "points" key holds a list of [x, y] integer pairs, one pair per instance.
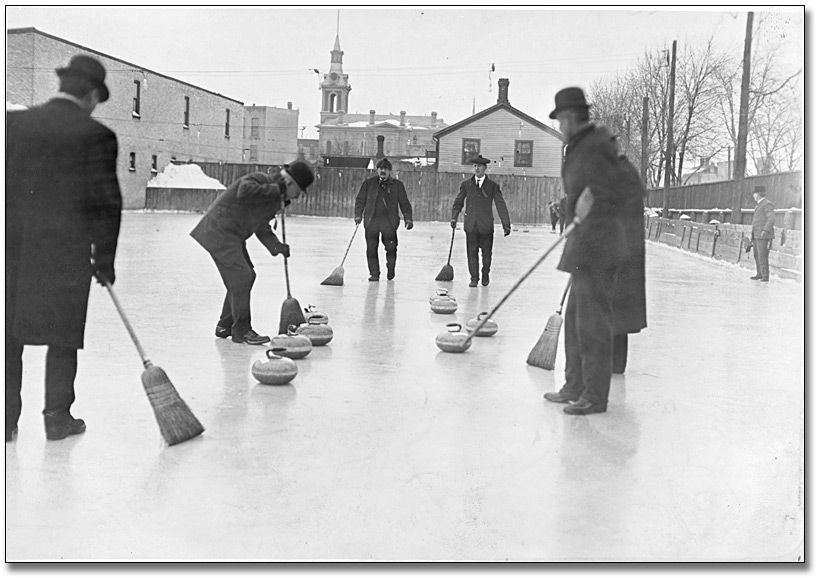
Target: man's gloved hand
{"points": [[282, 249], [748, 245], [104, 272], [409, 224], [453, 223], [506, 232], [357, 220]]}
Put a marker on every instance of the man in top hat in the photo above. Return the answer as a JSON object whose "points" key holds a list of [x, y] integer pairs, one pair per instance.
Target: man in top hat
{"points": [[479, 192], [246, 208], [762, 233], [63, 207], [378, 202], [604, 254]]}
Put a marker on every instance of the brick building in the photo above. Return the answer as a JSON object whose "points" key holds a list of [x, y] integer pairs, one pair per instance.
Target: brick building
{"points": [[270, 134]]}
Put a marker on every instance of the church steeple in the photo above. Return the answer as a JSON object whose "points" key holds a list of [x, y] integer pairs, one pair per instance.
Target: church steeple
{"points": [[335, 84]]}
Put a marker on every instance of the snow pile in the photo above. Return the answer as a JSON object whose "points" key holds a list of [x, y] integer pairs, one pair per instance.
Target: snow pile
{"points": [[13, 106], [685, 217], [184, 177]]}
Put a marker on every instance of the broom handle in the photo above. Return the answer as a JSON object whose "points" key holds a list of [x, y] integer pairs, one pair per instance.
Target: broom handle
{"points": [[287, 277], [145, 361], [348, 245], [452, 238], [566, 290], [486, 318]]}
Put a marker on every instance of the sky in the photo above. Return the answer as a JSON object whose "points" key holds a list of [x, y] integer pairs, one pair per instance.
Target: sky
{"points": [[416, 59]]}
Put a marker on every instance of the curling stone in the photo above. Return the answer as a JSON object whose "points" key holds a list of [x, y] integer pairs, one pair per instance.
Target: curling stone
{"points": [[443, 302], [276, 370], [454, 340], [318, 333], [311, 311], [295, 346], [489, 328]]}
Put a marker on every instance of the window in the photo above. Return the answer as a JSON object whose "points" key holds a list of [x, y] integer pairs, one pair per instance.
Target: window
{"points": [[186, 120], [136, 109], [328, 148], [470, 147], [132, 161], [227, 123], [523, 153], [154, 164], [332, 102], [254, 153], [254, 128], [347, 148]]}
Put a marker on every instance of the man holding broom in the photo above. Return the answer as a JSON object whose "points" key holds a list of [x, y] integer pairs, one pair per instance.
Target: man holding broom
{"points": [[600, 255], [246, 208], [63, 207]]}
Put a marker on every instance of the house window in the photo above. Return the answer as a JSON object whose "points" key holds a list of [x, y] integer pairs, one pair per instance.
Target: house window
{"points": [[154, 164], [523, 153], [470, 147], [254, 153], [187, 116], [227, 123], [254, 128], [136, 109], [132, 161]]}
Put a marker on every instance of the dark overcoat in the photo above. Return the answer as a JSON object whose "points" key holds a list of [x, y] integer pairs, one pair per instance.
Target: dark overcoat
{"points": [[763, 220], [245, 208], [478, 213], [611, 235], [395, 197], [63, 206]]}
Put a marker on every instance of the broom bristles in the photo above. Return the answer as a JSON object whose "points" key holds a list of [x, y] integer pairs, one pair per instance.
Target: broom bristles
{"points": [[177, 423], [446, 273], [544, 352], [337, 277], [291, 315]]}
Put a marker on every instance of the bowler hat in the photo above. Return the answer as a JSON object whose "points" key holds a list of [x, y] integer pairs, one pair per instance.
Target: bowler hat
{"points": [[301, 172], [479, 160], [385, 162], [89, 69], [760, 190], [569, 98]]}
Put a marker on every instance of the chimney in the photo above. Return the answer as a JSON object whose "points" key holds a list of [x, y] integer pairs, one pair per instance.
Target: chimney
{"points": [[503, 90], [372, 116], [380, 144], [402, 114], [290, 105], [433, 119]]}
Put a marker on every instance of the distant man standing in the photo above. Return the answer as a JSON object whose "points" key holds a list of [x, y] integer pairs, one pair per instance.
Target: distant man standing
{"points": [[762, 233], [553, 209], [378, 203], [479, 193], [63, 207]]}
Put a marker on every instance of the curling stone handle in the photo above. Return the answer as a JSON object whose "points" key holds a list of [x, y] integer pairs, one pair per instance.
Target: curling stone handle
{"points": [[453, 327], [273, 352]]}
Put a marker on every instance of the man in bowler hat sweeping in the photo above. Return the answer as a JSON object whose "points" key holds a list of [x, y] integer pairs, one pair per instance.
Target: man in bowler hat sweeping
{"points": [[63, 207], [479, 192], [246, 208], [604, 255]]}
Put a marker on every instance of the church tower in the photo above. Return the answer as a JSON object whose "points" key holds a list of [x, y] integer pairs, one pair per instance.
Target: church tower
{"points": [[335, 86]]}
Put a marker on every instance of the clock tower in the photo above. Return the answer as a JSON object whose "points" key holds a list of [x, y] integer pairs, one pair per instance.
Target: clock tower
{"points": [[335, 87]]}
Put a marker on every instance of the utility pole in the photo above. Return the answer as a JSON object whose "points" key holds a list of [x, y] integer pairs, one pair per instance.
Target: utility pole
{"points": [[644, 139], [743, 123], [667, 173]]}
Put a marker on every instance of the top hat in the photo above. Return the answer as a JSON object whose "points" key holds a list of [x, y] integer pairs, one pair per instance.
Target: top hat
{"points": [[300, 172], [88, 69], [760, 190], [479, 160], [385, 162], [569, 98]]}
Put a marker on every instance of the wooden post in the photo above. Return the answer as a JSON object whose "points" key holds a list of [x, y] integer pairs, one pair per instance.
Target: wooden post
{"points": [[743, 123], [669, 140], [644, 139]]}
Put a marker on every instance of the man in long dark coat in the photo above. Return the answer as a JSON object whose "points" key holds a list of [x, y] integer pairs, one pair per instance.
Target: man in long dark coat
{"points": [[63, 207], [479, 193], [604, 255], [246, 208], [762, 233], [378, 203]]}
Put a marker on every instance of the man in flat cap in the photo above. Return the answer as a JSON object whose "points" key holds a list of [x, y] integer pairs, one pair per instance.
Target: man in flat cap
{"points": [[378, 202], [63, 207], [246, 208], [762, 233], [605, 256], [479, 192]]}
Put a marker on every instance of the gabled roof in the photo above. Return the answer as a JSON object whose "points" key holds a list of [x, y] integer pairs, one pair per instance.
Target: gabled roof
{"points": [[496, 107]]}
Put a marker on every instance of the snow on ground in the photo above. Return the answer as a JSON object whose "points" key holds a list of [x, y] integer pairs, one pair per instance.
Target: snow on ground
{"points": [[188, 176]]}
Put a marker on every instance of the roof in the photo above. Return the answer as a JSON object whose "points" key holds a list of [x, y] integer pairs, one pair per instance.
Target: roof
{"points": [[31, 30], [496, 107], [389, 123]]}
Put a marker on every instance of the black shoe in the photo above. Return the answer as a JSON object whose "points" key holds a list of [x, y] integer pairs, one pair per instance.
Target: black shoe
{"points": [[62, 425], [618, 370], [485, 281], [474, 283], [251, 338], [764, 280], [584, 407], [756, 278], [391, 273], [222, 332], [558, 397], [11, 433], [373, 278]]}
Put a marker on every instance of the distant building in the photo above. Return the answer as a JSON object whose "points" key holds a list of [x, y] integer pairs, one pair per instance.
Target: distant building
{"points": [[516, 143], [308, 149], [707, 172], [270, 135], [342, 134]]}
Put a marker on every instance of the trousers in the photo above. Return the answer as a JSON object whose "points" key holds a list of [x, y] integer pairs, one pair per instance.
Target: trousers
{"points": [[476, 241], [238, 276], [761, 254], [378, 228]]}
